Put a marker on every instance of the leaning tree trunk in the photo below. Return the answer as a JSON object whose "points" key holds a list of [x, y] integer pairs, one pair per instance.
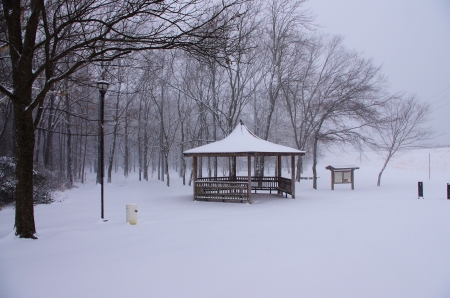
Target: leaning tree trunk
{"points": [[384, 167]]}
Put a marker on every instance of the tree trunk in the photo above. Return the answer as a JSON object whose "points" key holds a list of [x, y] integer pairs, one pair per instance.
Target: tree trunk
{"points": [[126, 157], [140, 158], [111, 160], [314, 166], [48, 140], [139, 141], [299, 168], [167, 167], [78, 155], [183, 159], [69, 140], [24, 221], [159, 164], [61, 151], [113, 145], [84, 158], [38, 145], [145, 162], [382, 169]]}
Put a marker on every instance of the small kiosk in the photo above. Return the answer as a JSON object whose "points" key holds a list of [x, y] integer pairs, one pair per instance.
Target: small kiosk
{"points": [[342, 174]]}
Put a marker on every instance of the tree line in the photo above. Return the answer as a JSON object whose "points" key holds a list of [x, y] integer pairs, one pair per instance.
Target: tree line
{"points": [[182, 73]]}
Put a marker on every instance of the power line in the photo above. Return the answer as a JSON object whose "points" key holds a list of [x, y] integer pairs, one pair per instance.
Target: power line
{"points": [[442, 98], [441, 105], [439, 93]]}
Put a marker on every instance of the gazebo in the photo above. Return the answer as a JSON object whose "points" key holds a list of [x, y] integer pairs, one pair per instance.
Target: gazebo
{"points": [[241, 142]]}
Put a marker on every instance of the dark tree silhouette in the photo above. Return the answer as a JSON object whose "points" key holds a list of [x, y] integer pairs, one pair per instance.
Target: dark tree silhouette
{"points": [[48, 41]]}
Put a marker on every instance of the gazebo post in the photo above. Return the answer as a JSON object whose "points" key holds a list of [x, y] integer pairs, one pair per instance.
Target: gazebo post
{"points": [[279, 169], [332, 180], [234, 168], [249, 186], [353, 179], [293, 176], [194, 176]]}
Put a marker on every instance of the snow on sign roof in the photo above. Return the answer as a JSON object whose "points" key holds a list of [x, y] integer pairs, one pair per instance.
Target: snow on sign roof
{"points": [[242, 142], [341, 167]]}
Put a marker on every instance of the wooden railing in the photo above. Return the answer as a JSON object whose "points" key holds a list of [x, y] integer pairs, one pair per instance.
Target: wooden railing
{"points": [[236, 190], [223, 191], [285, 185]]}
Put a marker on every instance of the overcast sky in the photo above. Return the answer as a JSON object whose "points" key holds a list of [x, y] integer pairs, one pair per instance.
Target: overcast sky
{"points": [[409, 38]]}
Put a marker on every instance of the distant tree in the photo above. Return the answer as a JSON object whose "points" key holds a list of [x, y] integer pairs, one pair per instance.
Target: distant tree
{"points": [[403, 127], [43, 35], [334, 96], [284, 22]]}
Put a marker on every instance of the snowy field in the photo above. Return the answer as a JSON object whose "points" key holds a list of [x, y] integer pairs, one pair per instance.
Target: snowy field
{"points": [[369, 242]]}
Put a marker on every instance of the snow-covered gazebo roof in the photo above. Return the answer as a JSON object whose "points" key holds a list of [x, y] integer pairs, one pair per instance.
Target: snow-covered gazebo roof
{"points": [[242, 142]]}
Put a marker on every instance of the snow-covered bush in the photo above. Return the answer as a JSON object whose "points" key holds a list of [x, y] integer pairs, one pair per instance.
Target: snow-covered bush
{"points": [[44, 183], [6, 181]]}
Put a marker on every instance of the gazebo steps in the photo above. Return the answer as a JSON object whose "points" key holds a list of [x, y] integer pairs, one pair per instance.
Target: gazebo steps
{"points": [[226, 200]]}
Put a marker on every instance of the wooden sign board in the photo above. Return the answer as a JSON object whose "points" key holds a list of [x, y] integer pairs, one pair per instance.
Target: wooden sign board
{"points": [[342, 177]]}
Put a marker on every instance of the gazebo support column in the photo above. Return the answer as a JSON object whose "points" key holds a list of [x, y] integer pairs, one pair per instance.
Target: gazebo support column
{"points": [[332, 180], [194, 174], [279, 168], [293, 176], [233, 168], [353, 179], [249, 187]]}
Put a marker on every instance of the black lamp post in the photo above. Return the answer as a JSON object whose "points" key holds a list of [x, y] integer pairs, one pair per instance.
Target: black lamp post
{"points": [[102, 88]]}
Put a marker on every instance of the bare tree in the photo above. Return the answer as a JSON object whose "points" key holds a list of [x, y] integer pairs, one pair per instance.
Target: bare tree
{"points": [[338, 96], [299, 95], [403, 127], [40, 34], [285, 21]]}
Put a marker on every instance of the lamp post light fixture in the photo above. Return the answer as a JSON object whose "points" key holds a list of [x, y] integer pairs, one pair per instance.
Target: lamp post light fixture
{"points": [[102, 88]]}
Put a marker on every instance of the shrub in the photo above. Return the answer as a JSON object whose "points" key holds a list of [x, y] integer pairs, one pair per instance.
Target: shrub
{"points": [[45, 183], [7, 178]]}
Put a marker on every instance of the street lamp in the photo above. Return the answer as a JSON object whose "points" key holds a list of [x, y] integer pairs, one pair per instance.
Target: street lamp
{"points": [[102, 88]]}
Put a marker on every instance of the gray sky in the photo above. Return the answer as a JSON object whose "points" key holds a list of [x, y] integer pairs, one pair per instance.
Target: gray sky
{"points": [[409, 38]]}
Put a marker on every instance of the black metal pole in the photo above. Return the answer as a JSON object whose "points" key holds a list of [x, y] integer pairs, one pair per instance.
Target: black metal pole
{"points": [[420, 186], [448, 191], [102, 112]]}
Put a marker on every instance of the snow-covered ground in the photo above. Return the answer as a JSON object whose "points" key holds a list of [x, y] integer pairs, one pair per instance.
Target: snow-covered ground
{"points": [[369, 242]]}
